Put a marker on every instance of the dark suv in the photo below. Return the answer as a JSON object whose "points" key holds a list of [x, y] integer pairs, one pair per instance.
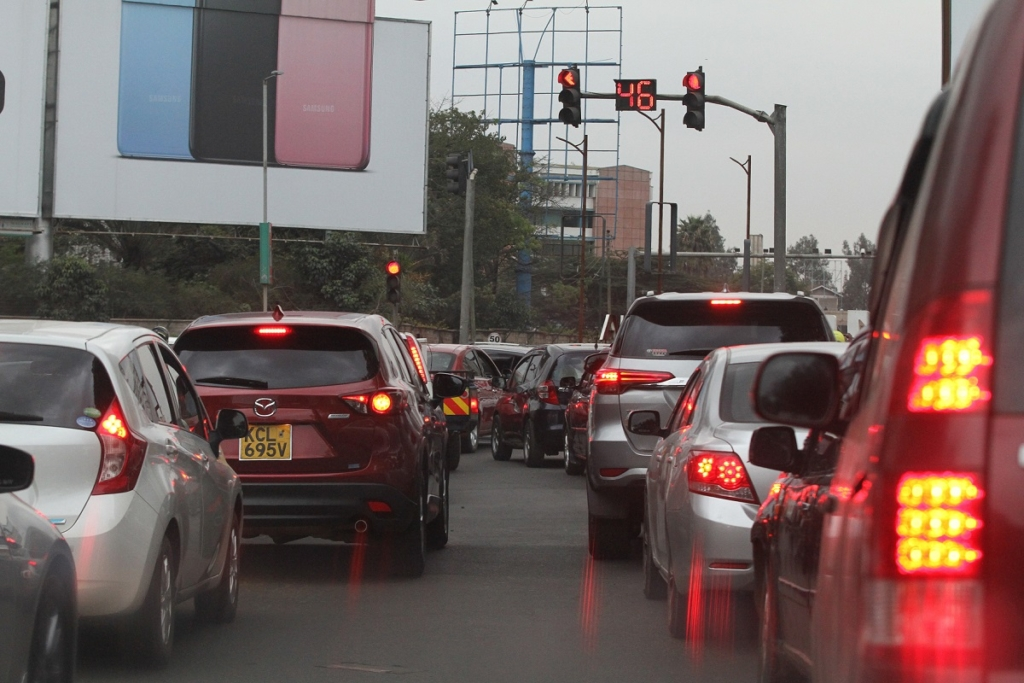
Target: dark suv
{"points": [[344, 439], [531, 413], [662, 341]]}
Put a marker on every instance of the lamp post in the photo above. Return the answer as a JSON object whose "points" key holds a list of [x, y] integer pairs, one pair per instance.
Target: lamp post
{"points": [[265, 269], [746, 242]]}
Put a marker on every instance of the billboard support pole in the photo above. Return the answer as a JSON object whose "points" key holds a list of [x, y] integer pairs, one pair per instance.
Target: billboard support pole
{"points": [[266, 270], [40, 245]]}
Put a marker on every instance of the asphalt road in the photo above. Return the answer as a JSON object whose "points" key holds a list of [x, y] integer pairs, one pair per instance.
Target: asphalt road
{"points": [[514, 597]]}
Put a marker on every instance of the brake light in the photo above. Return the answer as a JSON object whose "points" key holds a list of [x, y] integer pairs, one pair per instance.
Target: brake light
{"points": [[720, 474], [378, 506], [275, 331], [950, 374], [381, 403], [474, 405], [938, 523], [121, 454], [725, 302], [357, 403], [417, 360], [612, 472], [618, 381], [548, 393]]}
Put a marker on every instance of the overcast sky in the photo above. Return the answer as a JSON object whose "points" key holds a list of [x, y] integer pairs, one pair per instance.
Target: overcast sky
{"points": [[856, 76]]}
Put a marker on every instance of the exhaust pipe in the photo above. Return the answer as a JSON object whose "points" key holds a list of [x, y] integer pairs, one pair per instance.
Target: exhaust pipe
{"points": [[361, 526]]}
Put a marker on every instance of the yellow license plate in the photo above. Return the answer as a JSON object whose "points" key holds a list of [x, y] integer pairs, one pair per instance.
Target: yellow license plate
{"points": [[266, 442]]}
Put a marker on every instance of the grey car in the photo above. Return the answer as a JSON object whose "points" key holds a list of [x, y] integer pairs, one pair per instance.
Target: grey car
{"points": [[38, 612], [662, 341]]}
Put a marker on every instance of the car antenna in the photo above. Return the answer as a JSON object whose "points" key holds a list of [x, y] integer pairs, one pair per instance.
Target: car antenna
{"points": [[278, 313]]}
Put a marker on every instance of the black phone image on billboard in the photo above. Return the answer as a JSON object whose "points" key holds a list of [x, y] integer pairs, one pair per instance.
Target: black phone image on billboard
{"points": [[235, 49], [3, 89]]}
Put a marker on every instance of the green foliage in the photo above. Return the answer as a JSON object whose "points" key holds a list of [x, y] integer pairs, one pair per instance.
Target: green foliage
{"points": [[71, 289], [701, 233], [811, 272], [857, 286], [341, 273], [18, 281]]}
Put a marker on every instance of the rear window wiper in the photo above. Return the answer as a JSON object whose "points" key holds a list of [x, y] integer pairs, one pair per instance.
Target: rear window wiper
{"points": [[692, 352], [19, 417], [234, 382]]}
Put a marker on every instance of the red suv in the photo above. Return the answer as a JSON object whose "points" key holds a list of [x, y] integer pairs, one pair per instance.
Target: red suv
{"points": [[923, 523], [344, 439]]}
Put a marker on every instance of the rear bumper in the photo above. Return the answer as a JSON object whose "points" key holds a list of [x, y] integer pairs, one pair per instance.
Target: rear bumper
{"points": [[324, 510], [714, 535], [549, 428]]}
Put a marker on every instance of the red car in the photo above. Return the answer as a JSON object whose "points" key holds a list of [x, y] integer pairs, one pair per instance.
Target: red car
{"points": [[577, 415], [477, 367]]}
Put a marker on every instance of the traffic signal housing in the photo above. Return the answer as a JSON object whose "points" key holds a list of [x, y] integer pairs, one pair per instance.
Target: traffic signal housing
{"points": [[456, 174], [394, 281], [571, 113], [694, 99]]}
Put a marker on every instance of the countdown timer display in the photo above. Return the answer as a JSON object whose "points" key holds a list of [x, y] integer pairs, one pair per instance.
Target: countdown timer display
{"points": [[636, 94]]}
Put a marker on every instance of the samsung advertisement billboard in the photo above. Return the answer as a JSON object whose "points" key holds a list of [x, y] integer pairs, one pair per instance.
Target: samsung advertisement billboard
{"points": [[160, 111]]}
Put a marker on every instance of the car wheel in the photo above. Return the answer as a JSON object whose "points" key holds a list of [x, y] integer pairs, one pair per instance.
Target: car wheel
{"points": [[609, 538], [655, 587], [453, 452], [437, 530], [220, 604], [471, 439], [677, 604], [410, 556], [533, 456], [51, 659], [499, 449], [771, 668], [572, 465], [154, 624]]}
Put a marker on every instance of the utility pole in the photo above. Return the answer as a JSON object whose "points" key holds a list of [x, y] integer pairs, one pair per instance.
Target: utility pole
{"points": [[466, 307], [661, 189], [582, 149], [747, 167], [266, 269]]}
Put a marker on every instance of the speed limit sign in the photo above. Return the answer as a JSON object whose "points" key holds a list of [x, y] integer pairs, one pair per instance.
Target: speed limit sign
{"points": [[494, 338]]}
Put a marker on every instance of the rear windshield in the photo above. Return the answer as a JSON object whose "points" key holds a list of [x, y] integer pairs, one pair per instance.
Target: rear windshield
{"points": [[505, 360], [441, 361], [52, 386], [662, 329], [736, 404], [569, 365], [305, 356]]}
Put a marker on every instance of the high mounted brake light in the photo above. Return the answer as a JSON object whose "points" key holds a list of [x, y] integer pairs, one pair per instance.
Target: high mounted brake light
{"points": [[726, 302], [273, 331]]}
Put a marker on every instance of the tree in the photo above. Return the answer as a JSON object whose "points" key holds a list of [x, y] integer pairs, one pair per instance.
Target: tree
{"points": [[71, 290], [701, 233], [812, 272], [857, 285]]}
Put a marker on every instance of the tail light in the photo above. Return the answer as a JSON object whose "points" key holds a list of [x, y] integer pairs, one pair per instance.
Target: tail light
{"points": [[474, 405], [619, 381], [380, 402], [720, 474], [725, 302], [273, 331], [121, 454], [548, 393], [938, 522], [417, 359]]}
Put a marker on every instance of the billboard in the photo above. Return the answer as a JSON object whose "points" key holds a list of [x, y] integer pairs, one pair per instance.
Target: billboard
{"points": [[23, 27], [161, 113]]}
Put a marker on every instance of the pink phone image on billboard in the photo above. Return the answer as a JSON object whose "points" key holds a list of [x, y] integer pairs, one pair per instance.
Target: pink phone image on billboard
{"points": [[325, 49]]}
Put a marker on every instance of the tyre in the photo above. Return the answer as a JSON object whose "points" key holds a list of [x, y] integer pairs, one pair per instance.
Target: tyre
{"points": [[533, 454], [771, 669], [410, 547], [153, 630], [499, 449], [453, 452], [471, 439], [437, 530], [655, 587], [52, 657], [677, 603], [572, 465], [219, 605], [609, 538]]}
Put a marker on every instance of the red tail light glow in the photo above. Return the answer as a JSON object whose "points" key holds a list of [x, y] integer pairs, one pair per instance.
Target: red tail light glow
{"points": [[951, 374], [474, 405], [720, 474], [612, 472], [121, 454], [381, 403], [619, 381], [725, 302], [378, 506], [938, 523], [548, 393], [274, 331], [417, 360]]}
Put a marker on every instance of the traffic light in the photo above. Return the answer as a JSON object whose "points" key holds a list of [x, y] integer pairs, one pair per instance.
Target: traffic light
{"points": [[570, 97], [456, 174], [394, 271], [694, 99]]}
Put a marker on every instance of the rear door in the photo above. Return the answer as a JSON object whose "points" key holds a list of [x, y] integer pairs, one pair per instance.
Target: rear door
{"points": [[484, 372], [508, 412]]}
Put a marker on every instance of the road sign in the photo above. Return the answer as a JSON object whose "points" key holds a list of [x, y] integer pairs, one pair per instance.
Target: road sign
{"points": [[494, 338]]}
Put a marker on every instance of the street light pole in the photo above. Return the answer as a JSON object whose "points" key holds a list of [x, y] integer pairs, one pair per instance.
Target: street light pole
{"points": [[265, 226], [747, 167], [661, 189], [583, 233]]}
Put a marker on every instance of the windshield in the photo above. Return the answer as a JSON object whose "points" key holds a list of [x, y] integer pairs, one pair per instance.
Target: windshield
{"points": [[306, 356], [659, 329], [52, 386], [569, 365]]}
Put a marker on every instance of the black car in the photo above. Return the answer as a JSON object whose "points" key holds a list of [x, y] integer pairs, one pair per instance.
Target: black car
{"points": [[505, 356], [531, 413]]}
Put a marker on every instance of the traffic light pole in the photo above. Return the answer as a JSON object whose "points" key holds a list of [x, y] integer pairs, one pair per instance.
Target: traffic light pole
{"points": [[466, 307]]}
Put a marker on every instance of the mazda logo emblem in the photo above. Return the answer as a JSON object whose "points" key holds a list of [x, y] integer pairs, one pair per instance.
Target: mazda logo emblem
{"points": [[264, 407]]}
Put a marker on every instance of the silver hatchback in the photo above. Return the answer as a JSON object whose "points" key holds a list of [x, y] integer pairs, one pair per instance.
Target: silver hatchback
{"points": [[662, 341]]}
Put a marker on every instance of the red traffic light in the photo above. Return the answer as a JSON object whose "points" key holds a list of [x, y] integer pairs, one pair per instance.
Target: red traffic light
{"points": [[393, 268], [692, 81], [568, 78]]}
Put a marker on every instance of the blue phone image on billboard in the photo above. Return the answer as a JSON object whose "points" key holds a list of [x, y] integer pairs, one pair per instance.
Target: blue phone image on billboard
{"points": [[155, 90]]}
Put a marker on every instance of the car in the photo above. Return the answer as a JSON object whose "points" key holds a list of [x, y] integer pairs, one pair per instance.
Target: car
{"points": [[345, 442], [531, 412], [919, 571], [577, 415], [472, 417], [38, 608], [702, 491], [662, 340], [504, 355], [127, 469], [786, 534]]}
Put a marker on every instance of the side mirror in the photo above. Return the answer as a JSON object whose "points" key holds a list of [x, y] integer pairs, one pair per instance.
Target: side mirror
{"points": [[17, 468], [645, 423], [163, 333], [498, 382], [800, 389], [775, 448], [447, 385], [593, 363], [231, 424]]}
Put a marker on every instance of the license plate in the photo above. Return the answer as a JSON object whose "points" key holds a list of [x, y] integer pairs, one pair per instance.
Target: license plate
{"points": [[266, 442]]}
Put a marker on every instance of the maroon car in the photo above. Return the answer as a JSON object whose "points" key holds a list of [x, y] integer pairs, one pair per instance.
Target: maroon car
{"points": [[344, 439], [577, 414], [476, 366]]}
